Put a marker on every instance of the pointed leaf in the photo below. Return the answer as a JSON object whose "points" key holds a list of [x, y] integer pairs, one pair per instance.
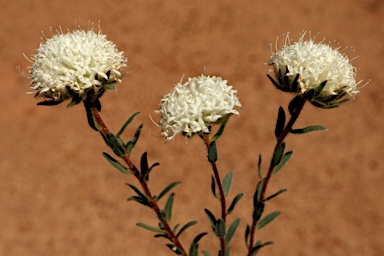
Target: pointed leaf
{"points": [[213, 187], [131, 144], [189, 224], [283, 161], [258, 246], [193, 250], [259, 169], [140, 200], [221, 129], [308, 129], [90, 118], [234, 202], [246, 235], [267, 219], [276, 194], [167, 189], [115, 163], [49, 102], [227, 181], [212, 152], [212, 219], [168, 207], [150, 228], [231, 230], [138, 192], [146, 177], [130, 119], [110, 86], [278, 154], [280, 123]]}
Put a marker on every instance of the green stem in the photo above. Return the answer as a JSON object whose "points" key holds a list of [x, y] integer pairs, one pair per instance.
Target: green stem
{"points": [[131, 166], [265, 182]]}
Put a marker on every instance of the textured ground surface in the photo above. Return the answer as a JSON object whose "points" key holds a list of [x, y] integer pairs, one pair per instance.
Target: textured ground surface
{"points": [[58, 196]]}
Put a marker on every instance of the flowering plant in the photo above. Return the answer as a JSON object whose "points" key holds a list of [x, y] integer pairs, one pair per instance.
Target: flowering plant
{"points": [[81, 65]]}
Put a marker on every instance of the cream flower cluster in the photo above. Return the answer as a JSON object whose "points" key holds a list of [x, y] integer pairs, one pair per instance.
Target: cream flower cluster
{"points": [[73, 63], [195, 106], [314, 64]]}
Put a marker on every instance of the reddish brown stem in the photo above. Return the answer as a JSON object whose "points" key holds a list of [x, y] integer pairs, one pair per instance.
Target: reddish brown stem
{"points": [[131, 166], [265, 182], [222, 196]]}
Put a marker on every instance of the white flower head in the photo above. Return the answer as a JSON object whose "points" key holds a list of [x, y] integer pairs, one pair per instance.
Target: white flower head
{"points": [[195, 106], [71, 64], [316, 71]]}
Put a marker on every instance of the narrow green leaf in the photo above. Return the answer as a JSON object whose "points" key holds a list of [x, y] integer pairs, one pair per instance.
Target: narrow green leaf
{"points": [[75, 100], [137, 191], [144, 165], [49, 102], [283, 161], [320, 88], [267, 219], [221, 129], [258, 211], [258, 246], [168, 207], [146, 177], [174, 249], [90, 118], [234, 202], [212, 219], [167, 189], [189, 224], [231, 230], [130, 119], [278, 154], [131, 144], [115, 163], [193, 250], [175, 228], [256, 196], [212, 152], [140, 200], [276, 194], [227, 181], [206, 253], [150, 228], [114, 144], [308, 129], [220, 228], [280, 123], [259, 169], [246, 235], [213, 187]]}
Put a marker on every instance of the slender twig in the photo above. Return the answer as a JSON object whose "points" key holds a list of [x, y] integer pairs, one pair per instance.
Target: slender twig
{"points": [[265, 182], [222, 196], [131, 166]]}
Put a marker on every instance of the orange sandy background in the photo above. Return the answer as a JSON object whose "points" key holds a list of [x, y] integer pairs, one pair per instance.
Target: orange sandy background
{"points": [[59, 196]]}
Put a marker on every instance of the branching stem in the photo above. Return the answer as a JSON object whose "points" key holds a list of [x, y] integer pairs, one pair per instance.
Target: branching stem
{"points": [[131, 166]]}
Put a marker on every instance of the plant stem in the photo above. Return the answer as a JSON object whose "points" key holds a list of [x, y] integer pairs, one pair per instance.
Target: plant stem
{"points": [[131, 166], [265, 182], [221, 191]]}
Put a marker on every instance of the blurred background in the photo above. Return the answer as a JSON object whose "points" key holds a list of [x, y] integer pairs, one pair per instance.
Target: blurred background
{"points": [[59, 196]]}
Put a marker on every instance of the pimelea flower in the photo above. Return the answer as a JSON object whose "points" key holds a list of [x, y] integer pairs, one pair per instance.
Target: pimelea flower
{"points": [[323, 75], [195, 106], [72, 64]]}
